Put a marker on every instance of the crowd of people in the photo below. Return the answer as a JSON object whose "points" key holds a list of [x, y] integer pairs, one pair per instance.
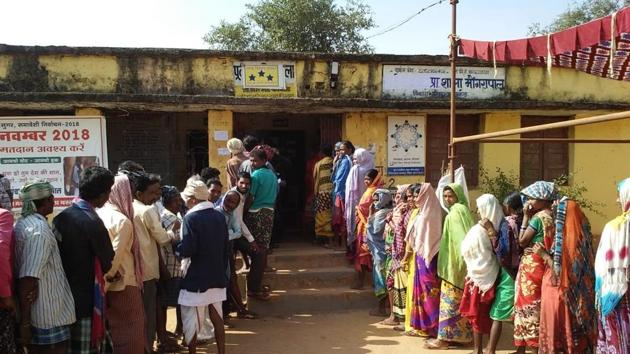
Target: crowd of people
{"points": [[100, 277], [452, 277]]}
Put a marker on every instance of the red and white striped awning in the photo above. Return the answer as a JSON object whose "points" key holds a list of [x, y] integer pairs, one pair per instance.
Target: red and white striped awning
{"points": [[586, 48]]}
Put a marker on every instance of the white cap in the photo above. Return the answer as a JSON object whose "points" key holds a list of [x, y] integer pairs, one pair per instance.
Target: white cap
{"points": [[197, 190]]}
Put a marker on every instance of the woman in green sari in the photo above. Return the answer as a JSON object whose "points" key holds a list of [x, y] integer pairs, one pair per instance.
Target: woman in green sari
{"points": [[453, 327]]}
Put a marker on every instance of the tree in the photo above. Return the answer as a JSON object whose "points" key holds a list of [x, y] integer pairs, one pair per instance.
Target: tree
{"points": [[297, 26], [582, 12]]}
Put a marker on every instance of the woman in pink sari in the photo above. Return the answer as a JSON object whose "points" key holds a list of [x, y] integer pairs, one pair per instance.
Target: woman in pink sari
{"points": [[355, 186], [423, 294]]}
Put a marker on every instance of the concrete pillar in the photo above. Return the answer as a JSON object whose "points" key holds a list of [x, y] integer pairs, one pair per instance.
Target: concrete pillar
{"points": [[220, 129]]}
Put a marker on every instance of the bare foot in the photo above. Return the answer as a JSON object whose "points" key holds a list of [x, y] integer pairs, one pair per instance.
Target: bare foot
{"points": [[389, 322]]}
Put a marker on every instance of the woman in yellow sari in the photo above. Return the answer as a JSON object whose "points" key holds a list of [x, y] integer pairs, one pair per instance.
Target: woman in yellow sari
{"points": [[323, 188], [362, 259]]}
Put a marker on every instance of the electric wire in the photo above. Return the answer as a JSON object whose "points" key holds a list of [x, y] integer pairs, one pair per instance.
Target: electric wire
{"points": [[393, 27]]}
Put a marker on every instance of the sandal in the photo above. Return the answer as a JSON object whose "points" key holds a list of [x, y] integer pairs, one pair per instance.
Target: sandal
{"points": [[266, 288], [436, 344], [399, 328]]}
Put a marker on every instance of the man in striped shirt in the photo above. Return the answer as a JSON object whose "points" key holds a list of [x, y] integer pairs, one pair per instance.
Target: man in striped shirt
{"points": [[46, 302]]}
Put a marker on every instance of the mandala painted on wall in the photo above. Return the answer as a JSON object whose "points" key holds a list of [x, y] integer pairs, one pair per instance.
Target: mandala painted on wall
{"points": [[406, 136]]}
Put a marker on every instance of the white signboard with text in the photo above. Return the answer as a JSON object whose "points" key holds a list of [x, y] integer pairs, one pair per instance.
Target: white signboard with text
{"points": [[414, 82], [406, 145], [54, 149]]}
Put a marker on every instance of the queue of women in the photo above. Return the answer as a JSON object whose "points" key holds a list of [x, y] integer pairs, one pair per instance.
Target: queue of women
{"points": [[456, 278]]}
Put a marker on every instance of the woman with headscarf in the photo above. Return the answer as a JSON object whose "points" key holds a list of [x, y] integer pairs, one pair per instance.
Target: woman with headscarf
{"points": [[235, 146], [355, 186], [453, 328], [362, 258], [567, 307], [482, 269], [125, 312], [323, 195], [538, 226], [336, 154], [381, 206], [395, 249], [341, 169], [423, 294], [407, 262], [508, 255], [612, 271]]}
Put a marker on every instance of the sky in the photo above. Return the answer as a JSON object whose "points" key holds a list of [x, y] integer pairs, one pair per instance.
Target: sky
{"points": [[182, 23]]}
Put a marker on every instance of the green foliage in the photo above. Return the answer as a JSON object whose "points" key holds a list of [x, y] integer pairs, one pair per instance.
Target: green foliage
{"points": [[500, 185], [297, 26], [580, 12], [576, 191]]}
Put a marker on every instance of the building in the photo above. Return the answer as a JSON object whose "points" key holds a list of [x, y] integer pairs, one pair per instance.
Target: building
{"points": [[173, 109]]}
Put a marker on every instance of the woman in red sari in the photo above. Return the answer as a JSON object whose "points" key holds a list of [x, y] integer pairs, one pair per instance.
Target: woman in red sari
{"points": [[362, 259], [538, 226]]}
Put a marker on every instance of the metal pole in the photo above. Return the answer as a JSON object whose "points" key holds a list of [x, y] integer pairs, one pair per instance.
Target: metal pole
{"points": [[555, 140], [453, 58], [537, 128]]}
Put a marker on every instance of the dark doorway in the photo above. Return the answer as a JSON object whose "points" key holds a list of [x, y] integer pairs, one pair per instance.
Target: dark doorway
{"points": [[196, 151], [297, 137], [290, 165]]}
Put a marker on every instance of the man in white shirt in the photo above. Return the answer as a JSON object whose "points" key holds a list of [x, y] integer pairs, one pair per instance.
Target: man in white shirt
{"points": [[150, 234]]}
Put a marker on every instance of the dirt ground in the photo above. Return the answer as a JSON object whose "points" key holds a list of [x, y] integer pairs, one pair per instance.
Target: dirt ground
{"points": [[345, 333]]}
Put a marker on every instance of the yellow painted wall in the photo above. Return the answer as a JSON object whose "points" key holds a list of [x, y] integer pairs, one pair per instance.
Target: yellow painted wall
{"points": [[222, 121], [5, 63], [360, 80], [81, 73], [88, 112], [600, 166], [503, 156], [564, 85], [493, 156], [212, 75]]}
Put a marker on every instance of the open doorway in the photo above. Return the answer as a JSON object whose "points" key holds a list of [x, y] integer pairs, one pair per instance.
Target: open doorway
{"points": [[297, 138]]}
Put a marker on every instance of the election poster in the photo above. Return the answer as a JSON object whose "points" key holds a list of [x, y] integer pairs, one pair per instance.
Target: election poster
{"points": [[54, 149], [406, 138]]}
